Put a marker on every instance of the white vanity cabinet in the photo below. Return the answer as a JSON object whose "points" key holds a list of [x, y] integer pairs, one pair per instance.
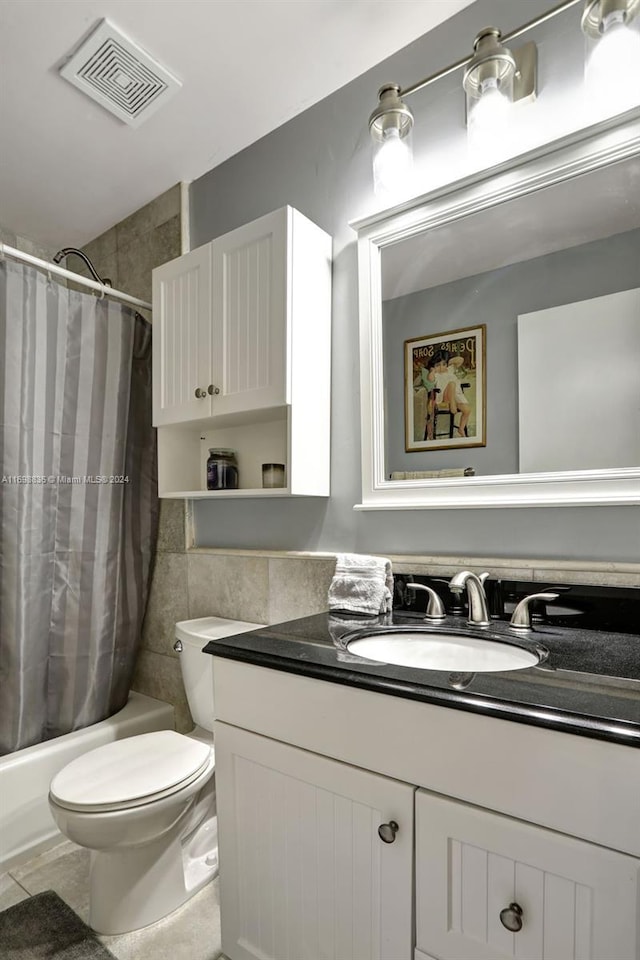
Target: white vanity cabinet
{"points": [[569, 898], [305, 874], [505, 813], [241, 357]]}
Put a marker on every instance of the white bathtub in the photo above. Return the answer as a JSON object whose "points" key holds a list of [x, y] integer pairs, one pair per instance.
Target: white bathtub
{"points": [[26, 826]]}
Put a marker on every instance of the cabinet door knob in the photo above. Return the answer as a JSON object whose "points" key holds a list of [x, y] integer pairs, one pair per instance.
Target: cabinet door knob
{"points": [[200, 393], [213, 391], [511, 917], [387, 831]]}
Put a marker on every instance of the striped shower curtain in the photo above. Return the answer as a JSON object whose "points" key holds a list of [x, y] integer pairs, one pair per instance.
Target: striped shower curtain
{"points": [[78, 504]]}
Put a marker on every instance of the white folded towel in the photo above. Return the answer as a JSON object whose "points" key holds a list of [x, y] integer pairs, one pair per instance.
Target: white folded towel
{"points": [[361, 584]]}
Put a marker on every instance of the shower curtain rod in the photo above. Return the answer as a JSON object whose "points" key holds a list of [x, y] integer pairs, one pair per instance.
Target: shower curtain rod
{"points": [[53, 268]]}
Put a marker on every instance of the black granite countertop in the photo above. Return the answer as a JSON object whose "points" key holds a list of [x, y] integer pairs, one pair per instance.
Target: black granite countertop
{"points": [[589, 684]]}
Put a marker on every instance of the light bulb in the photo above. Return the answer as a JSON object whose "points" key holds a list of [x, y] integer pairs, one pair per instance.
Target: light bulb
{"points": [[488, 125], [612, 75], [392, 165]]}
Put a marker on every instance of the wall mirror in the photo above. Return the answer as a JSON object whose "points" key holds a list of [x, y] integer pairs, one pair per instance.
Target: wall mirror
{"points": [[500, 334]]}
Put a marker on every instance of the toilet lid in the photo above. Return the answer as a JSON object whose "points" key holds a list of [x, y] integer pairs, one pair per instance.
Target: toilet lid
{"points": [[130, 771]]}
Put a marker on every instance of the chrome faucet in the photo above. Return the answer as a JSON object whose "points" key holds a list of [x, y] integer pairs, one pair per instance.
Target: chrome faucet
{"points": [[435, 608], [478, 613], [521, 619]]}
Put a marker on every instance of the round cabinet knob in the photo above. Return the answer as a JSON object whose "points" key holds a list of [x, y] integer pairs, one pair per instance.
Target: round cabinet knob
{"points": [[212, 390], [387, 831], [200, 393], [511, 917]]}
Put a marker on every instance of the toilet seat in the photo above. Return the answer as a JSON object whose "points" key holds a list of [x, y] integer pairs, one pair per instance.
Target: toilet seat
{"points": [[131, 772]]}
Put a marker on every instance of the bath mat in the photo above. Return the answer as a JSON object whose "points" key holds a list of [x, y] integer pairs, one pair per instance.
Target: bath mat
{"points": [[45, 928]]}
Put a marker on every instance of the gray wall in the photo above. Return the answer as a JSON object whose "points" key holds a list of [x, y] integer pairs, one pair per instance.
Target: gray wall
{"points": [[495, 299], [320, 163]]}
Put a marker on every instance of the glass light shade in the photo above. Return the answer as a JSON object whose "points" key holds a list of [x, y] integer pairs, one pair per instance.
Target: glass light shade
{"points": [[612, 73], [392, 165], [492, 65], [488, 137]]}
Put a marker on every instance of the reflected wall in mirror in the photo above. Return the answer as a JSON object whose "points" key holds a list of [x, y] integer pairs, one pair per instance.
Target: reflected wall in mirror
{"points": [[579, 382], [544, 254], [534, 258]]}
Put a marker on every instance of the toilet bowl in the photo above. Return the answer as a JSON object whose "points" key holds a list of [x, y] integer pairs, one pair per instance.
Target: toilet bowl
{"points": [[145, 805]]}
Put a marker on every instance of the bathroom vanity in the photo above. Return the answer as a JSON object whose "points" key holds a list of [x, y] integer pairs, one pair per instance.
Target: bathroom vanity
{"points": [[376, 811]]}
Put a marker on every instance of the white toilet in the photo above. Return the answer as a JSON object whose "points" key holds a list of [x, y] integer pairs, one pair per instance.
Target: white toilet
{"points": [[145, 805]]}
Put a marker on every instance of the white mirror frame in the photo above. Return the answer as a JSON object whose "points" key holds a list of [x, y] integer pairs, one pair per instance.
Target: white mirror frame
{"points": [[580, 153]]}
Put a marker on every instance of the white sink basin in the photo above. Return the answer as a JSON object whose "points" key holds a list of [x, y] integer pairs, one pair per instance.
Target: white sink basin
{"points": [[443, 651]]}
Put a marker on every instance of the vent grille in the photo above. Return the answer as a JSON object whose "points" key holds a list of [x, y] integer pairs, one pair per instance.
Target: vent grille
{"points": [[119, 75]]}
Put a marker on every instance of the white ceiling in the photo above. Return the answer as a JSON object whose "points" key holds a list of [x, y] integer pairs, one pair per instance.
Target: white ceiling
{"points": [[70, 169]]}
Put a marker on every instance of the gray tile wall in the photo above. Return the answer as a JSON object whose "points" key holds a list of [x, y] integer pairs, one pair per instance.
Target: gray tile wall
{"points": [[257, 588], [128, 251], [25, 244], [126, 254]]}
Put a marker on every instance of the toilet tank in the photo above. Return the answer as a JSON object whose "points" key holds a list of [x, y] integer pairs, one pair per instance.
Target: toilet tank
{"points": [[197, 667]]}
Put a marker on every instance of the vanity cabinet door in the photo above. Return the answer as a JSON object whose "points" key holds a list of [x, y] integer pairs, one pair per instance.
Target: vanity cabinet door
{"points": [[479, 873], [182, 338], [304, 874]]}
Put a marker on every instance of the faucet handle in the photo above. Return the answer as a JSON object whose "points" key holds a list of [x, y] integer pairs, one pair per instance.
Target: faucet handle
{"points": [[521, 618], [435, 607]]}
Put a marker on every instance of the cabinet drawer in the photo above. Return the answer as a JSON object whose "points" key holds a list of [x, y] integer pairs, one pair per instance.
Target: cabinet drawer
{"points": [[578, 901]]}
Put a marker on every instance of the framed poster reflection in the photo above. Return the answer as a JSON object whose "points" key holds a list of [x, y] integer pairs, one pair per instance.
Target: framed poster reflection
{"points": [[445, 390]]}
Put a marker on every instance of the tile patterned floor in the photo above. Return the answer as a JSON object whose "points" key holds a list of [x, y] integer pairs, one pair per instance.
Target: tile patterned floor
{"points": [[190, 933]]}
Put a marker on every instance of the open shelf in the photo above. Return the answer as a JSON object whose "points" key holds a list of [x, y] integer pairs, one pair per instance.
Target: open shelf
{"points": [[183, 451], [226, 494]]}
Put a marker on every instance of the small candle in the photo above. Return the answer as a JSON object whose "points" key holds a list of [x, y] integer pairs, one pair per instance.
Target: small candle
{"points": [[272, 475]]}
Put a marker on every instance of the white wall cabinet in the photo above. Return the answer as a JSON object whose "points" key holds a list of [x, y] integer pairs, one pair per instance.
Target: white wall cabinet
{"points": [[242, 334], [182, 334], [578, 900], [304, 873]]}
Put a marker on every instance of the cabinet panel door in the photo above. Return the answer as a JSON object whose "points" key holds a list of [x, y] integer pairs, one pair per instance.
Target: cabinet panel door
{"points": [[578, 901], [182, 338], [250, 315], [303, 872]]}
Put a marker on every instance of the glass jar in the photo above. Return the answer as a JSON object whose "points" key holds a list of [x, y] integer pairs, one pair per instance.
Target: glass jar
{"points": [[222, 470]]}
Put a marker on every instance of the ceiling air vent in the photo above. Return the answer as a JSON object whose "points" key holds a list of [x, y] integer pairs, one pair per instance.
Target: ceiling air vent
{"points": [[118, 73]]}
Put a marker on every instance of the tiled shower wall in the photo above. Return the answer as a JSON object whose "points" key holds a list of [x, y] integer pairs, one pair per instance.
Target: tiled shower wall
{"points": [[128, 251], [126, 254], [254, 587], [25, 244]]}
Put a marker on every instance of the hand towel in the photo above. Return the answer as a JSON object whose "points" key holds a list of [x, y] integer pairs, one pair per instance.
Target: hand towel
{"points": [[361, 584], [432, 474]]}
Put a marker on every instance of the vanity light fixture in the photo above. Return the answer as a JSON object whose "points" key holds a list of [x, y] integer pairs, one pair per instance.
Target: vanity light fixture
{"points": [[495, 77], [612, 70], [390, 126]]}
